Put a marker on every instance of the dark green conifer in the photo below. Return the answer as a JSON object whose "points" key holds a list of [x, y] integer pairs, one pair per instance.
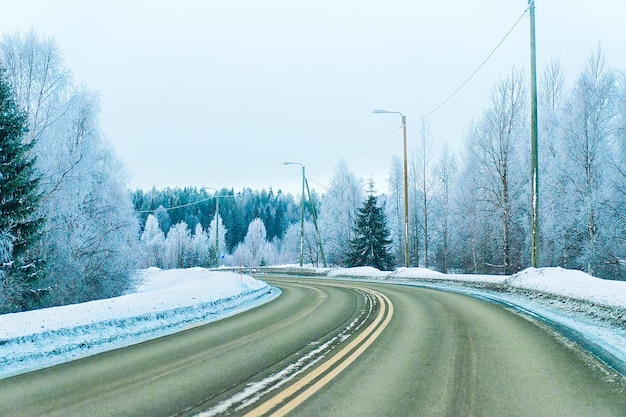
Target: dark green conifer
{"points": [[370, 247], [19, 199]]}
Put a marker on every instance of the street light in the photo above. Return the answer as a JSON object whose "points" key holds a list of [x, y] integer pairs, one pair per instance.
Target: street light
{"points": [[406, 187], [317, 230]]}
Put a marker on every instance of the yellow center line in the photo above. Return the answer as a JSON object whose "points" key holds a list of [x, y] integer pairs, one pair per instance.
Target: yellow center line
{"points": [[372, 332]]}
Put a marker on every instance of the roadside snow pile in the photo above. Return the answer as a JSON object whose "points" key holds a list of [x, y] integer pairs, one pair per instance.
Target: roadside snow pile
{"points": [[557, 282], [359, 271], [165, 302], [429, 274], [571, 284]]}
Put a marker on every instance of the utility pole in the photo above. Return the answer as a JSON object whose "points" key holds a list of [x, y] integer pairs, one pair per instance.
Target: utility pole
{"points": [[302, 217], [217, 230], [217, 222], [534, 159], [301, 208], [317, 230], [406, 195]]}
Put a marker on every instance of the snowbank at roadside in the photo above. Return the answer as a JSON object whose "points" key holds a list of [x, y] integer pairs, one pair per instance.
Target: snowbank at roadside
{"points": [[558, 282], [164, 302], [360, 271], [571, 284], [424, 273]]}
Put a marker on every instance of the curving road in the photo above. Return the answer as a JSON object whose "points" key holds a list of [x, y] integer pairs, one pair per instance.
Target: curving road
{"points": [[335, 349]]}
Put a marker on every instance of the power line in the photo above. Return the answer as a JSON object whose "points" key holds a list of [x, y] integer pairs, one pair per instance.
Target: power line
{"points": [[319, 183], [286, 180], [186, 205], [482, 64], [443, 103], [362, 153]]}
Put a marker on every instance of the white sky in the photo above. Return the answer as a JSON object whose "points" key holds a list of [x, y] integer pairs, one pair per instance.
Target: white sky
{"points": [[220, 93]]}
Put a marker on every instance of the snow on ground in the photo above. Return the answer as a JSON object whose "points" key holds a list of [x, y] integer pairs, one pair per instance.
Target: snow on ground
{"points": [[361, 271], [163, 303], [572, 284], [424, 273], [169, 301]]}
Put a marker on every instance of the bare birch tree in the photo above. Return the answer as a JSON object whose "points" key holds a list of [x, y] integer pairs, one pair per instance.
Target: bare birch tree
{"points": [[496, 159]]}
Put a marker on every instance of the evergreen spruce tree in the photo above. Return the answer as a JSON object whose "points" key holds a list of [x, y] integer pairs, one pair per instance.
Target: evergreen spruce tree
{"points": [[370, 247], [18, 202]]}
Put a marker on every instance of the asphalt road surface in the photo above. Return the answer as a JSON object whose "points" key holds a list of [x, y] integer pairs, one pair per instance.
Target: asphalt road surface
{"points": [[329, 348]]}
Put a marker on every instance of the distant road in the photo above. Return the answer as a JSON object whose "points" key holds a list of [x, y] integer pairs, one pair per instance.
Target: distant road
{"points": [[329, 348]]}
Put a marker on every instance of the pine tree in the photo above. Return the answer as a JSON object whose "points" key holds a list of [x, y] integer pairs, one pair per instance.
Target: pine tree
{"points": [[370, 247], [18, 202]]}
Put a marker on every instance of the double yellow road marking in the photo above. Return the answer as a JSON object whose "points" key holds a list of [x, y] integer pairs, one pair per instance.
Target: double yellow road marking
{"points": [[301, 390]]}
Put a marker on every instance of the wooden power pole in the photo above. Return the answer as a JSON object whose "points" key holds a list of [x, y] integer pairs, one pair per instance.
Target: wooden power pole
{"points": [[534, 160]]}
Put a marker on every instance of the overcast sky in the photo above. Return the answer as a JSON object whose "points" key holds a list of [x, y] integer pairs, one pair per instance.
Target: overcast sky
{"points": [[220, 93]]}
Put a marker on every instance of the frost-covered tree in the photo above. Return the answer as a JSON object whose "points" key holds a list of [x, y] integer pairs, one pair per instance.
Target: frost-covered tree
{"points": [[445, 175], [552, 163], [91, 233], [591, 113], [425, 183], [370, 245], [290, 247], [495, 153], [90, 236], [337, 214], [178, 246], [199, 247], [395, 208], [163, 216], [217, 226], [41, 82], [255, 250], [615, 264], [19, 200], [473, 239], [153, 240]]}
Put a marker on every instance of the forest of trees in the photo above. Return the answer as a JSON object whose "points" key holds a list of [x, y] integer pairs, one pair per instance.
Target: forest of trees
{"points": [[72, 231]]}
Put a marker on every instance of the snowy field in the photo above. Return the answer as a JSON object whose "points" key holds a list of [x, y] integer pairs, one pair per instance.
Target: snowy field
{"points": [[172, 300]]}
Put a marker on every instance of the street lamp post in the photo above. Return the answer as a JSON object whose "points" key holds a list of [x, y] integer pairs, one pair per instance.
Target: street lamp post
{"points": [[406, 186]]}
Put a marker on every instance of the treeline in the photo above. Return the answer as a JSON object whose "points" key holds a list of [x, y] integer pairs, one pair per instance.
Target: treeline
{"points": [[237, 210], [187, 227]]}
